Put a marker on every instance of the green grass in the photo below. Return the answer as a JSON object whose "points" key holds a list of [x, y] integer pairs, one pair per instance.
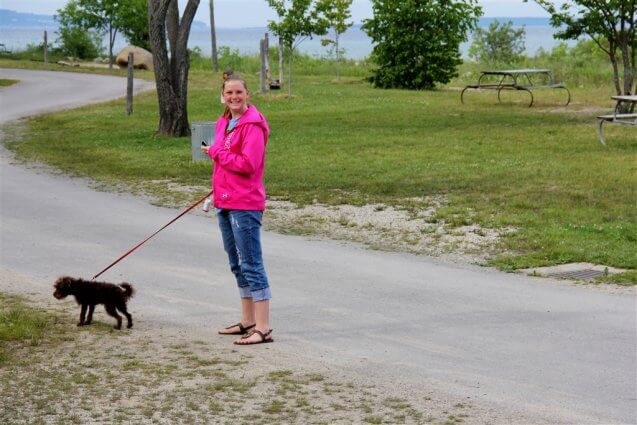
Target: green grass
{"points": [[627, 278], [539, 170], [22, 324], [6, 82]]}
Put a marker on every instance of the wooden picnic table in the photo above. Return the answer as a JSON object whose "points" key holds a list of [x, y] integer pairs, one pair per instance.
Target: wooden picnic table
{"points": [[517, 79], [619, 117]]}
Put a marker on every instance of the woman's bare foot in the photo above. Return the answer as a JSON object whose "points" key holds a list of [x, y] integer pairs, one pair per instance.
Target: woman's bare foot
{"points": [[236, 329], [255, 337]]}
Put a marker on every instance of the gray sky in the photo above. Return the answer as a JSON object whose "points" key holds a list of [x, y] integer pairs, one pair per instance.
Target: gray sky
{"points": [[256, 13]]}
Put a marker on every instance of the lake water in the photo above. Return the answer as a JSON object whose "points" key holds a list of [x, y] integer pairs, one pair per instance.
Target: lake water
{"points": [[356, 43]]}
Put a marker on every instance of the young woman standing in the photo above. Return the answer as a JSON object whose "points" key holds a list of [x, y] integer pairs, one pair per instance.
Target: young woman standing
{"points": [[238, 153]]}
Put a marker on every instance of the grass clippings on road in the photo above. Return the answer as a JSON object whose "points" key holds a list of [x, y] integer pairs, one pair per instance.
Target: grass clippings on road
{"points": [[4, 82], [53, 372]]}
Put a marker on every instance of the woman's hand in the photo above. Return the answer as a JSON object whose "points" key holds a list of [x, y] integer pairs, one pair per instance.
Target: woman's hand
{"points": [[205, 149]]}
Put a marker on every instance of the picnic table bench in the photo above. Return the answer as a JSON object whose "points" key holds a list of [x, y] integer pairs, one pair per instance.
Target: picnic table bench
{"points": [[618, 117], [517, 79]]}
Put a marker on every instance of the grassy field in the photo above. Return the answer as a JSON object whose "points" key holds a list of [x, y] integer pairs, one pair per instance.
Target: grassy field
{"points": [[539, 170]]}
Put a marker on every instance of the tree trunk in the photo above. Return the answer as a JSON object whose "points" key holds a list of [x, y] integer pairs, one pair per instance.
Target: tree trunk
{"points": [[110, 46], [290, 72], [629, 71], [213, 38], [613, 61], [280, 61], [337, 55], [171, 74]]}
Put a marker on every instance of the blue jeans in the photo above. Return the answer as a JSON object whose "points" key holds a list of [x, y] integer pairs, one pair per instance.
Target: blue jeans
{"points": [[241, 233]]}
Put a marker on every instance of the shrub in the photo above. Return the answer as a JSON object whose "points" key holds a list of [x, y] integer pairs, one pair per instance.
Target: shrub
{"points": [[500, 44], [80, 43]]}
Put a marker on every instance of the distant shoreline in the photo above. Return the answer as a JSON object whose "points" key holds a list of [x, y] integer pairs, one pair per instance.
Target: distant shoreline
{"points": [[18, 30]]}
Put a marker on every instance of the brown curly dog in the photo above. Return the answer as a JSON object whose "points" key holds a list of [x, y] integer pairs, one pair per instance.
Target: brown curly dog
{"points": [[89, 294]]}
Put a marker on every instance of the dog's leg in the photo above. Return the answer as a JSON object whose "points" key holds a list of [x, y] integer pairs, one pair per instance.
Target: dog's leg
{"points": [[110, 309], [89, 317], [122, 308], [82, 314]]}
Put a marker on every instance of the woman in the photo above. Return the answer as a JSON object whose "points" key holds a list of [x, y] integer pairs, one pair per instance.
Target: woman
{"points": [[238, 152]]}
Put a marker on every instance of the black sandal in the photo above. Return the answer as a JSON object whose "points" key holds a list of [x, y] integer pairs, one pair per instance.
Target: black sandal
{"points": [[242, 329], [264, 338]]}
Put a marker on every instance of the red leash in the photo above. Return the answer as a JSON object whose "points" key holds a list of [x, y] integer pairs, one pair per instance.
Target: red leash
{"points": [[146, 240]]}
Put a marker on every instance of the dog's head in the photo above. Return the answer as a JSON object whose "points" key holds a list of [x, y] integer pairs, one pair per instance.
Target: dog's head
{"points": [[62, 287]]}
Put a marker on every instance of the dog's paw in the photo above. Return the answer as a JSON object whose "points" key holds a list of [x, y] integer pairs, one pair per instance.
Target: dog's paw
{"points": [[80, 324]]}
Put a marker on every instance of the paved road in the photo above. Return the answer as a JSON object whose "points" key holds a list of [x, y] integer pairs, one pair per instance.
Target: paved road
{"points": [[559, 352]]}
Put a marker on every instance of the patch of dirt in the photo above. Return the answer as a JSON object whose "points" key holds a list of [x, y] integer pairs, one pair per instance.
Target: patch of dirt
{"points": [[413, 229]]}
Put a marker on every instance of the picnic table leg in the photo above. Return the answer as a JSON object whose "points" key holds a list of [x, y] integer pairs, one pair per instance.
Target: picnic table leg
{"points": [[600, 135], [529, 91], [569, 96], [462, 95]]}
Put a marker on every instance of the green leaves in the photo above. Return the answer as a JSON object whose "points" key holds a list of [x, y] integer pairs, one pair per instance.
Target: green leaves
{"points": [[499, 45], [108, 16], [610, 23], [417, 42], [298, 20]]}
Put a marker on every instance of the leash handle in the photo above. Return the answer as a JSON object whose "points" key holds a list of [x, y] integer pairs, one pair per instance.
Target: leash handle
{"points": [[148, 238]]}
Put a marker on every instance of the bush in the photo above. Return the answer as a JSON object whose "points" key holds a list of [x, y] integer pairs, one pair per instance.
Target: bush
{"points": [[499, 45], [417, 43], [80, 43], [304, 64]]}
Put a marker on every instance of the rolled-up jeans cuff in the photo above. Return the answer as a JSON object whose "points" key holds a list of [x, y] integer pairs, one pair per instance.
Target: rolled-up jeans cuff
{"points": [[244, 292], [261, 294]]}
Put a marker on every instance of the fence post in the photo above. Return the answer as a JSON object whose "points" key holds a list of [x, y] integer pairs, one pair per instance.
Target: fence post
{"points": [[129, 87], [262, 73], [267, 58], [46, 49]]}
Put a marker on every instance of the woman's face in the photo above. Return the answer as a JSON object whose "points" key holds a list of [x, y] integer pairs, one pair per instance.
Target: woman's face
{"points": [[235, 96]]}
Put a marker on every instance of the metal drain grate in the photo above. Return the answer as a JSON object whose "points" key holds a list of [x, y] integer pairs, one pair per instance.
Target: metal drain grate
{"points": [[586, 274]]}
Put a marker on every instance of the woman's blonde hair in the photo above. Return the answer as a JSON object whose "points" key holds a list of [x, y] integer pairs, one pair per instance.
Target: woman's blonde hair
{"points": [[233, 77]]}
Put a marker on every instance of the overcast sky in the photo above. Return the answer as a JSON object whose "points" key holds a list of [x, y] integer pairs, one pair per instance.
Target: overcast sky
{"points": [[256, 13]]}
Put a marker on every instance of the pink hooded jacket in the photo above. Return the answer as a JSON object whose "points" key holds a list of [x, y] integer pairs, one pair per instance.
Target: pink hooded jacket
{"points": [[239, 162]]}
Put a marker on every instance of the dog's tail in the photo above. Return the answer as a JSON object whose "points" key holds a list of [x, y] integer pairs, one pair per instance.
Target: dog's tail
{"points": [[128, 290]]}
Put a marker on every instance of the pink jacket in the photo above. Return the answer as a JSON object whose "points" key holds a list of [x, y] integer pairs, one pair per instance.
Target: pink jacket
{"points": [[239, 162]]}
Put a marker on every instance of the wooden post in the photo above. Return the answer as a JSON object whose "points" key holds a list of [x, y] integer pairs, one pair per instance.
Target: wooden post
{"points": [[267, 58], [46, 49], [129, 87], [213, 38], [280, 62], [262, 73]]}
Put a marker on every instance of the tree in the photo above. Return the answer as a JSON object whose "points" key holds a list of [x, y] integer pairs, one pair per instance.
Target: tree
{"points": [[417, 42], [79, 43], [106, 17], [171, 74], [134, 23], [336, 12], [298, 20], [610, 23], [500, 44]]}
